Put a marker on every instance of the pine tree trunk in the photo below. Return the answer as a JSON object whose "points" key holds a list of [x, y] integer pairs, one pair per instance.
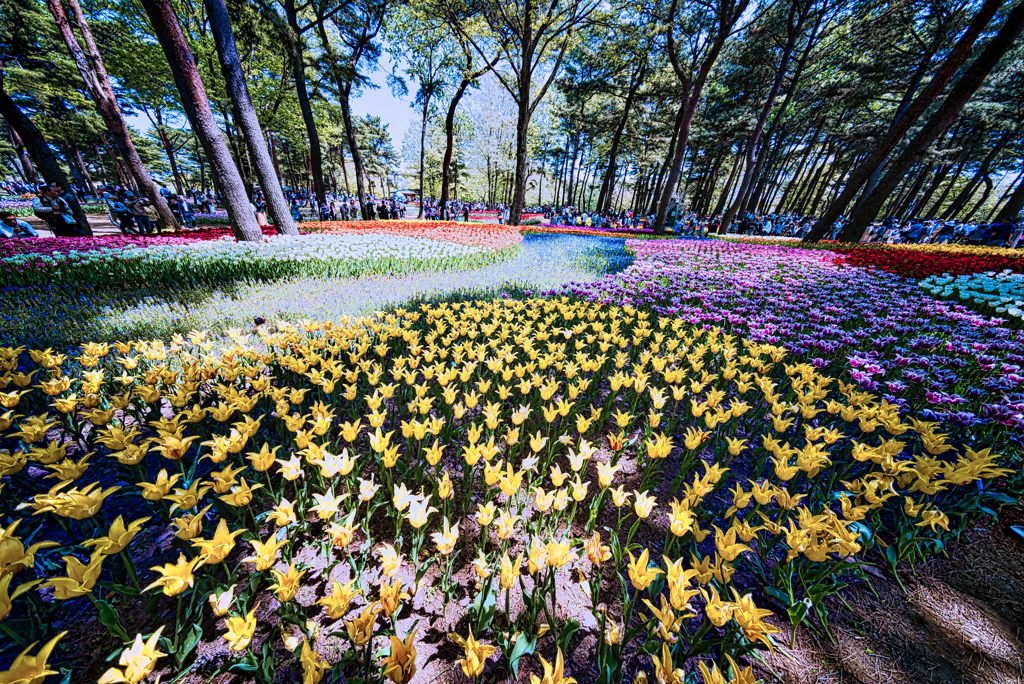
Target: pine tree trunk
{"points": [[727, 190], [357, 158], [607, 186], [123, 177], [27, 169], [987, 180], [954, 60], [169, 153], [943, 117], [77, 154], [90, 67], [423, 158], [246, 119], [200, 116], [272, 148], [35, 144], [1015, 204], [981, 173], [825, 184], [795, 22], [302, 94]]}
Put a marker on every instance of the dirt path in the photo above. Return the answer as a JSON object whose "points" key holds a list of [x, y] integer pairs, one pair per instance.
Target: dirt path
{"points": [[961, 620], [100, 223]]}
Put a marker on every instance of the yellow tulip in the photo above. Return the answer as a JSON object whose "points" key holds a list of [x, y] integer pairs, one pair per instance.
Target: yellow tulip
{"points": [[445, 489], [240, 630], [367, 489], [214, 551], [485, 514], [557, 476], [559, 554], [326, 505], [337, 602], [538, 442], [286, 583], [28, 669], [176, 577], [750, 619], [190, 526], [390, 560], [284, 513], [579, 489], [597, 553], [341, 535], [644, 504], [446, 539], [291, 469], [419, 512], [475, 656], [313, 664], [138, 661], [606, 474], [718, 611], [391, 597], [240, 495], [660, 447], [663, 668], [80, 579], [639, 574], [118, 536], [400, 664], [360, 629], [679, 586], [620, 497], [263, 459], [552, 674], [510, 570], [506, 525], [221, 603], [265, 553]]}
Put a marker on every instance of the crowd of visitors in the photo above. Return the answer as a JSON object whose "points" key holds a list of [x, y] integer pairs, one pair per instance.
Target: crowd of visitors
{"points": [[999, 233], [61, 209], [343, 207]]}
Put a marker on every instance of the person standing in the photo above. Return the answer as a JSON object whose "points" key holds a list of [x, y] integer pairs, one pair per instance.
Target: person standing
{"points": [[13, 227], [52, 207], [139, 214]]}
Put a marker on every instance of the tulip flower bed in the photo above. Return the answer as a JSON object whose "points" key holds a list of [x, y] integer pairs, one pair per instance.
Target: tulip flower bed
{"points": [[212, 262], [60, 246], [637, 233], [64, 315], [23, 207], [480, 235], [505, 476], [1001, 294], [923, 261], [912, 260], [875, 329]]}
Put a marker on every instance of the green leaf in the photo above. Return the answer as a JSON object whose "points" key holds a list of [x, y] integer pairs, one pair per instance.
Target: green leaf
{"points": [[566, 633], [523, 647], [798, 612], [267, 669], [892, 556], [781, 596], [111, 619], [189, 644]]}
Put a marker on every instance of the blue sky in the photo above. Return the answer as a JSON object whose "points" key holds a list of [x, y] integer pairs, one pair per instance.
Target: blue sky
{"points": [[394, 111]]}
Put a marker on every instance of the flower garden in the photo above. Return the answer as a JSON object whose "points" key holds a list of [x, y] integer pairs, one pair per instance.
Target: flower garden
{"points": [[658, 468]]}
